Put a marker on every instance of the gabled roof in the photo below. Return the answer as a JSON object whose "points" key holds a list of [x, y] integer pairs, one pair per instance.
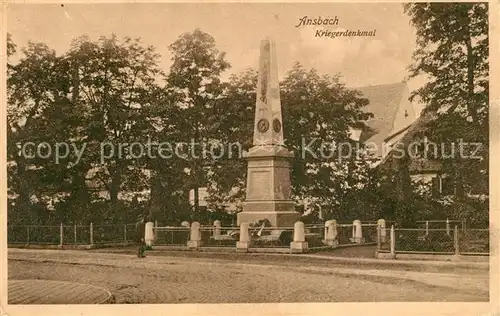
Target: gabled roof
{"points": [[385, 101]]}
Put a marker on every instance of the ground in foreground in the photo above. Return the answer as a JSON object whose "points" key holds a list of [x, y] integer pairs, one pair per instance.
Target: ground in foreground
{"points": [[179, 279]]}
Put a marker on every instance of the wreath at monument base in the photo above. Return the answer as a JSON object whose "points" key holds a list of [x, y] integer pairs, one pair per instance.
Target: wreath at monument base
{"points": [[258, 228]]}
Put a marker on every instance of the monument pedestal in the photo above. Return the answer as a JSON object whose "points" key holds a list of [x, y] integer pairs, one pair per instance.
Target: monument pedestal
{"points": [[268, 187]]}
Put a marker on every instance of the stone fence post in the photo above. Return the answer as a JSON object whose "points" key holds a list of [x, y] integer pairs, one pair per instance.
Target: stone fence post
{"points": [[217, 229], [456, 241], [448, 227], [244, 243], [299, 243], [331, 233], [382, 228], [149, 234], [195, 236], [357, 232]]}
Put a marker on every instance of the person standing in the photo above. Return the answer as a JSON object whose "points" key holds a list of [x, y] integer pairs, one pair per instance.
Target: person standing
{"points": [[141, 230]]}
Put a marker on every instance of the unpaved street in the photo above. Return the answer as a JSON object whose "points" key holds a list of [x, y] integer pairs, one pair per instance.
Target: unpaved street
{"points": [[170, 279]]}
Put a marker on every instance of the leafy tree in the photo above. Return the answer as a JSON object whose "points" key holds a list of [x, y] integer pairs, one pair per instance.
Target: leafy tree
{"points": [[318, 113], [452, 50], [227, 177], [195, 79], [97, 92], [35, 84], [116, 82]]}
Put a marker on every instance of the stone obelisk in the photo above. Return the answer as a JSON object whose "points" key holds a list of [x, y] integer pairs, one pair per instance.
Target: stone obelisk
{"points": [[268, 192]]}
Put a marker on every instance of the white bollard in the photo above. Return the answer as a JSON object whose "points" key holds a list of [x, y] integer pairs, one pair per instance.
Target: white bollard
{"points": [[383, 232], [299, 243], [217, 230], [244, 243], [331, 233], [357, 232], [149, 234], [195, 236]]}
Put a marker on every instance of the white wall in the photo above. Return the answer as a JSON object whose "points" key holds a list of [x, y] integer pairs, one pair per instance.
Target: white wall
{"points": [[355, 133]]}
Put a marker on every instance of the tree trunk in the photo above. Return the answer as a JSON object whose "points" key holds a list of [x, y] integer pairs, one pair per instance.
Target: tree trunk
{"points": [[115, 187], [459, 161], [404, 212]]}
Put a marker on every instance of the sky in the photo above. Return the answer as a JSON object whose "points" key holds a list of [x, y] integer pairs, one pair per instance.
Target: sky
{"points": [[238, 29]]}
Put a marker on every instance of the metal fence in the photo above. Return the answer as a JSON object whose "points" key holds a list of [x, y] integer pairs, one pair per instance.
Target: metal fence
{"points": [[453, 240], [421, 240], [77, 235], [71, 234], [219, 236], [442, 224], [315, 234], [344, 234], [369, 232], [171, 236], [44, 235], [436, 241], [271, 237], [474, 241]]}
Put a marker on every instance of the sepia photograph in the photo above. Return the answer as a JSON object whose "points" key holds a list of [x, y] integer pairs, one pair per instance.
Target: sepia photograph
{"points": [[228, 153]]}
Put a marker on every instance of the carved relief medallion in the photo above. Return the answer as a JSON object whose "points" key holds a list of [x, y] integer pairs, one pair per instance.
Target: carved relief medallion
{"points": [[262, 125], [277, 125]]}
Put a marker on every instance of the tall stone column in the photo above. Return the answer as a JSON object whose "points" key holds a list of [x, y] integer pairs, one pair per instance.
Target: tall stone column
{"points": [[268, 192]]}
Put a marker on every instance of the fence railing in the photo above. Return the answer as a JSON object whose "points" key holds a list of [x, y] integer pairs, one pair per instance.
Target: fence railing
{"points": [[344, 234], [71, 234], [175, 236], [219, 236], [435, 241], [442, 224], [369, 232], [315, 235], [271, 237], [451, 241]]}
